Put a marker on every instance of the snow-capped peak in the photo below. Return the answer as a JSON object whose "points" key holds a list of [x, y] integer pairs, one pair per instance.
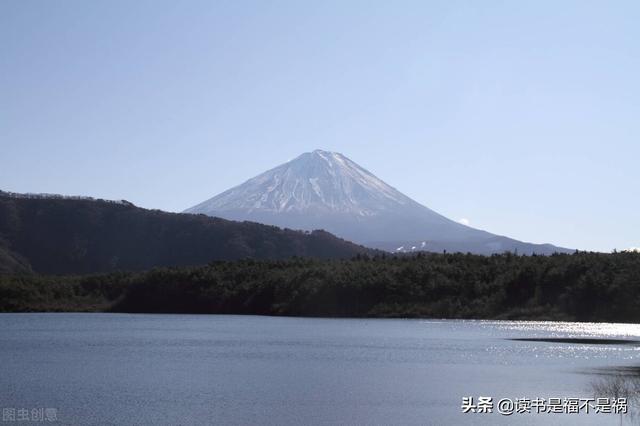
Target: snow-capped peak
{"points": [[314, 182], [326, 190]]}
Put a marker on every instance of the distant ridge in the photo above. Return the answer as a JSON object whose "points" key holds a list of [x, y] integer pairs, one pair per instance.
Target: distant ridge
{"points": [[77, 235], [327, 190], [46, 196]]}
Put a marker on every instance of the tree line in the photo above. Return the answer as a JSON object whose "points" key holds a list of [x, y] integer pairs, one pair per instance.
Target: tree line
{"points": [[581, 287]]}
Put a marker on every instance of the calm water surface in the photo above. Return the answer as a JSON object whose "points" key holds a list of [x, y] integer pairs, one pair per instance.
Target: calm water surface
{"points": [[98, 369]]}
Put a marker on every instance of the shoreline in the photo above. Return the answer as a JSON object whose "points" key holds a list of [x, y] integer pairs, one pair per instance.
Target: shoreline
{"points": [[376, 318]]}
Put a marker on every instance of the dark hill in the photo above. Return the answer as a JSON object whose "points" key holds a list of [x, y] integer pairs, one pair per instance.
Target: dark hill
{"points": [[63, 235]]}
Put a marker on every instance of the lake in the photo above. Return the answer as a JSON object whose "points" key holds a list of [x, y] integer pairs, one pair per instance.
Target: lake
{"points": [[98, 369]]}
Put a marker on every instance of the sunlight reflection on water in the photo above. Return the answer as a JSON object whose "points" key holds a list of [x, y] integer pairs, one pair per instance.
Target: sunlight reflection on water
{"points": [[195, 369]]}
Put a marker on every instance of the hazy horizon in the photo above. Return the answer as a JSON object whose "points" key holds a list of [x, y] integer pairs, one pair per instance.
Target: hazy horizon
{"points": [[519, 119]]}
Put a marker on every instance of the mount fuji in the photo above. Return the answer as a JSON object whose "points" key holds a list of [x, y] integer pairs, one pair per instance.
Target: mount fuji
{"points": [[326, 190]]}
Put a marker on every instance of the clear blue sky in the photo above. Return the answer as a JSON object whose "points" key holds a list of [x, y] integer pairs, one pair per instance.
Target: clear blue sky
{"points": [[521, 116]]}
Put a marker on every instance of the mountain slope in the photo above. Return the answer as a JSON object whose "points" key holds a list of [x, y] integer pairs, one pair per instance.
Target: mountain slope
{"points": [[79, 235], [327, 190], [12, 263]]}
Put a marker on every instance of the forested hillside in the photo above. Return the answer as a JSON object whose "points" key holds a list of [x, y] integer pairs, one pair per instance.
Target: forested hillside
{"points": [[62, 235]]}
